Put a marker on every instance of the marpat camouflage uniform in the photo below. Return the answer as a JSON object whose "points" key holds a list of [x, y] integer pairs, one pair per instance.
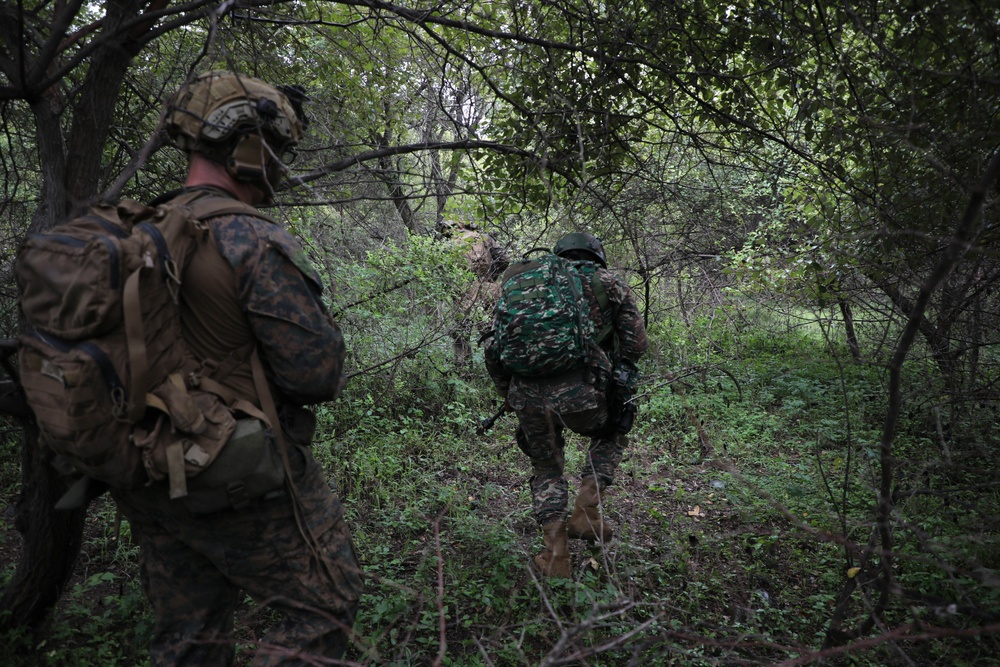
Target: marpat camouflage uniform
{"points": [[195, 567], [577, 400]]}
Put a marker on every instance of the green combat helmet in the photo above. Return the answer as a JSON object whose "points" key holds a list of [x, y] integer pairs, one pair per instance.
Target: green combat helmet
{"points": [[241, 122], [581, 241]]}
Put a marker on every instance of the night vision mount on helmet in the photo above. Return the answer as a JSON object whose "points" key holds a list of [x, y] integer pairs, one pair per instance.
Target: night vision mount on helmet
{"points": [[581, 241], [239, 121]]}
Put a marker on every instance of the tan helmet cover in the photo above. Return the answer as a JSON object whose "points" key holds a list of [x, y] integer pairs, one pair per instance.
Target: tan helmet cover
{"points": [[209, 111]]}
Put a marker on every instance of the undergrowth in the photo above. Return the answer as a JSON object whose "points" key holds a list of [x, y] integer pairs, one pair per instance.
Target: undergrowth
{"points": [[747, 481]]}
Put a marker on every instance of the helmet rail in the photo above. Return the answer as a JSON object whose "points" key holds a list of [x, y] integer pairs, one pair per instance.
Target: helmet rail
{"points": [[239, 121]]}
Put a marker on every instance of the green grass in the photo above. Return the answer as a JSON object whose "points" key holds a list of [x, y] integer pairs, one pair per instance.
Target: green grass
{"points": [[729, 552]]}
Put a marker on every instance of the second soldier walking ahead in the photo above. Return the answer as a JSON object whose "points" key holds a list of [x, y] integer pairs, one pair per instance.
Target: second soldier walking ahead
{"points": [[566, 337]]}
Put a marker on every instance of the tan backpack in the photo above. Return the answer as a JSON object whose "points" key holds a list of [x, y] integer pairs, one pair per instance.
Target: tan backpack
{"points": [[113, 385]]}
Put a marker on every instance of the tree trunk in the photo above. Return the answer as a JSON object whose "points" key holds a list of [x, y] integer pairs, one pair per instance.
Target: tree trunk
{"points": [[935, 334], [852, 336], [397, 193], [50, 540]]}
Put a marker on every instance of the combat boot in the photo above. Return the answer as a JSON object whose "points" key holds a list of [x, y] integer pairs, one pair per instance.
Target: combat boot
{"points": [[554, 559], [586, 523]]}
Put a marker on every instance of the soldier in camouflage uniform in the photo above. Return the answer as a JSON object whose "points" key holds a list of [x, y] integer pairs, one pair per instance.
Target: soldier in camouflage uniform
{"points": [[581, 401], [289, 548], [486, 260]]}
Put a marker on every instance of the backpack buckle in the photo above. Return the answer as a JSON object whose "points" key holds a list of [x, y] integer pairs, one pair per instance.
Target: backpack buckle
{"points": [[119, 406], [237, 494]]}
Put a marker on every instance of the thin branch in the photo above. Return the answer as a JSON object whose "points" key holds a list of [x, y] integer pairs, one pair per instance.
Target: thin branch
{"points": [[387, 151], [442, 624]]}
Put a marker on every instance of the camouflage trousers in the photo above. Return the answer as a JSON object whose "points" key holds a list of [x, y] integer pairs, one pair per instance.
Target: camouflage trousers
{"points": [[540, 436], [195, 568]]}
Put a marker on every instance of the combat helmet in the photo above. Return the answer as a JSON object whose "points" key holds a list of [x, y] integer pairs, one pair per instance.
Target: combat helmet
{"points": [[239, 121], [583, 242]]}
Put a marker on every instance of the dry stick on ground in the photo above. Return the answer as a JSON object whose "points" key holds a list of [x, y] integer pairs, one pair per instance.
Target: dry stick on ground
{"points": [[482, 651], [911, 632], [598, 615]]}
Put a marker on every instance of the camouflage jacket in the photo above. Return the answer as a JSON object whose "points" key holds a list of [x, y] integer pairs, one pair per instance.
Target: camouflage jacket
{"points": [[485, 258], [579, 390], [273, 301]]}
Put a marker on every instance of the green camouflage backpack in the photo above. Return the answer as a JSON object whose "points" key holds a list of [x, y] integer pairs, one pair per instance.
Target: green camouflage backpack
{"points": [[543, 321], [114, 387]]}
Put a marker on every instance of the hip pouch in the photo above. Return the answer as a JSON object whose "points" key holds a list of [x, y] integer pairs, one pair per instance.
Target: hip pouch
{"points": [[247, 468]]}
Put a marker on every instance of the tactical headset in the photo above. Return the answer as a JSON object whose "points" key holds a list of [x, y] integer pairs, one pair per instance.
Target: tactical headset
{"points": [[241, 122]]}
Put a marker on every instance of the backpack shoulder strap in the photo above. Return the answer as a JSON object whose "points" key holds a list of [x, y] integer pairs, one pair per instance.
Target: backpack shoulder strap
{"points": [[599, 292], [205, 205], [604, 303], [209, 205]]}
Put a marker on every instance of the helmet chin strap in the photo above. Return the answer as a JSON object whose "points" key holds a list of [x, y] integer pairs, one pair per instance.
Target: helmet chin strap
{"points": [[252, 162], [246, 161]]}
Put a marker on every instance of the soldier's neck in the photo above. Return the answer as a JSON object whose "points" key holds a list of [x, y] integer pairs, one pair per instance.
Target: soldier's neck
{"points": [[204, 172]]}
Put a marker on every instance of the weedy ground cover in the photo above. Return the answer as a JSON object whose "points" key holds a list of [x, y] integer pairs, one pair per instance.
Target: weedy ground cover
{"points": [[745, 481]]}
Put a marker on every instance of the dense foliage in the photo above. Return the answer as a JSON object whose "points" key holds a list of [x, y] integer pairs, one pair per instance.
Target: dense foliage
{"points": [[803, 198]]}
